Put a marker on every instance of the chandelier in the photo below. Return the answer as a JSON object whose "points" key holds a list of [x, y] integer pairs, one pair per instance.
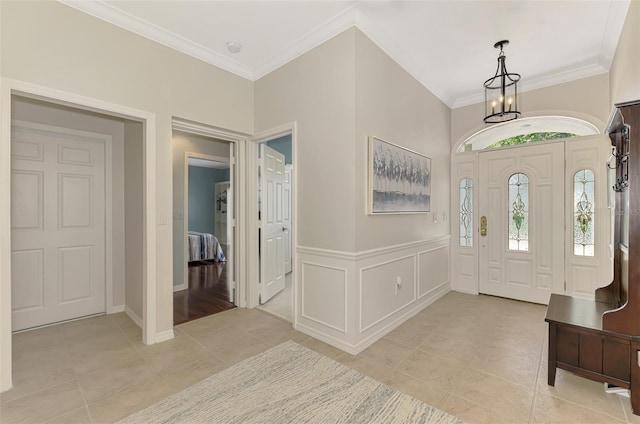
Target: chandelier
{"points": [[501, 92]]}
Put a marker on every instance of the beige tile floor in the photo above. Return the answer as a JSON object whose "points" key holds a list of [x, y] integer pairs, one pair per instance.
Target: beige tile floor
{"points": [[280, 304], [480, 358]]}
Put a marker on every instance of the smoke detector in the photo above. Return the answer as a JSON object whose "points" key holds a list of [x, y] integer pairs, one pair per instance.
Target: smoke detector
{"points": [[234, 47]]}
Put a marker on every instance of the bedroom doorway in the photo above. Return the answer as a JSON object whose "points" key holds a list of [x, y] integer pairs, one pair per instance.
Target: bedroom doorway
{"points": [[205, 231]]}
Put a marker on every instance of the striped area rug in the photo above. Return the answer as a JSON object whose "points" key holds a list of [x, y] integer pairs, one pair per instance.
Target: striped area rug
{"points": [[290, 384]]}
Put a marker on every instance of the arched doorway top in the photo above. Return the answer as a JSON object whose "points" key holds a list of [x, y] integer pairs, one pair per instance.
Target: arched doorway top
{"points": [[537, 124]]}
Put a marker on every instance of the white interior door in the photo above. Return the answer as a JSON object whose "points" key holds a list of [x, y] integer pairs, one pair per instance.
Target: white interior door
{"points": [[272, 231], [57, 227], [286, 210], [521, 194]]}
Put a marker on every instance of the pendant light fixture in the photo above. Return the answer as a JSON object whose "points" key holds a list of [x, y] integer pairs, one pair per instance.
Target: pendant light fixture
{"points": [[501, 92]]}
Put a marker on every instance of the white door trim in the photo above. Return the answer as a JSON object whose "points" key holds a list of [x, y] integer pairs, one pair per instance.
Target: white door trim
{"points": [[8, 87], [185, 211], [253, 265], [240, 141]]}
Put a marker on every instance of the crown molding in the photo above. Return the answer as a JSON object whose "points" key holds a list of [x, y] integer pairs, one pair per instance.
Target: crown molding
{"points": [[613, 28], [106, 12], [356, 16], [323, 32]]}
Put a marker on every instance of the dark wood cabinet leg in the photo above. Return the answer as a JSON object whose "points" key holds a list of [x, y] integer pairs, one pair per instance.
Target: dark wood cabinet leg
{"points": [[635, 378], [551, 372]]}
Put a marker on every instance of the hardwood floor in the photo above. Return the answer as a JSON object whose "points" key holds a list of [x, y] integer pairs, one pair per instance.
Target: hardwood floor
{"points": [[208, 292]]}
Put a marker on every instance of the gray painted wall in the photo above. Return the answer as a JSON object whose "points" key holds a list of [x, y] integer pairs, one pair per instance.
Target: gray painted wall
{"points": [[202, 203]]}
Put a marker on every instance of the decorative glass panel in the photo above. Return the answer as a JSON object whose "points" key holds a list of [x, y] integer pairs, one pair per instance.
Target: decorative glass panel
{"points": [[583, 210], [518, 212], [466, 213]]}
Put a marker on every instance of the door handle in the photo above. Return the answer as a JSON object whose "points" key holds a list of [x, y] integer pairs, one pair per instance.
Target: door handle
{"points": [[483, 226], [284, 229]]}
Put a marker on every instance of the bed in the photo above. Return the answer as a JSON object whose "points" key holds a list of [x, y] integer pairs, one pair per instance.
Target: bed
{"points": [[204, 247]]}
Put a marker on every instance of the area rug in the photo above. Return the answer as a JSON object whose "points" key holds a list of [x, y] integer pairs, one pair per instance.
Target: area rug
{"points": [[290, 384]]}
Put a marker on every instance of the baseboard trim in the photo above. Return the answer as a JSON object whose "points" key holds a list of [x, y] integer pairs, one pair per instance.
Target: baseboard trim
{"points": [[324, 337], [354, 349], [116, 309], [419, 305], [163, 336], [180, 287], [461, 290], [134, 317]]}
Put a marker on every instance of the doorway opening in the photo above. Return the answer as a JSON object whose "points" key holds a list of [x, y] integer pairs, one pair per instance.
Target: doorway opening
{"points": [[77, 201], [275, 229], [41, 115], [206, 243]]}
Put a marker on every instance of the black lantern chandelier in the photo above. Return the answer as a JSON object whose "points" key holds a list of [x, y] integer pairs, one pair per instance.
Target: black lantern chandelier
{"points": [[501, 92]]}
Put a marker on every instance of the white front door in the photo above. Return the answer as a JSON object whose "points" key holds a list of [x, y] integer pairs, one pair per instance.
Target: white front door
{"points": [[521, 246], [272, 238], [57, 226], [286, 210]]}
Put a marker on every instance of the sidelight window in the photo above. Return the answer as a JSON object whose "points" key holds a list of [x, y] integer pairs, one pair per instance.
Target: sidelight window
{"points": [[583, 212], [466, 212], [518, 212]]}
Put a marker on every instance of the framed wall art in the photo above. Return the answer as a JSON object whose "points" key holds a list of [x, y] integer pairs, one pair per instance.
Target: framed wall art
{"points": [[399, 179]]}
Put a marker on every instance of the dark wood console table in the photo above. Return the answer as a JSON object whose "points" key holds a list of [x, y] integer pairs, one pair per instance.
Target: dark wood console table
{"points": [[600, 339]]}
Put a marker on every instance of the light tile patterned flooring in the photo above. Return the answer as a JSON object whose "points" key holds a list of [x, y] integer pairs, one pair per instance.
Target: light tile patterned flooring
{"points": [[280, 304], [480, 358]]}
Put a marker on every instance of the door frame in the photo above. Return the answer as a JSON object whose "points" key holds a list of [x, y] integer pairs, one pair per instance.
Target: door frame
{"points": [[9, 87], [185, 211], [253, 267], [464, 266], [240, 142]]}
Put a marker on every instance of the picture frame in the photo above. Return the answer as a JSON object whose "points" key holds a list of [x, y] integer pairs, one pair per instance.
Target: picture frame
{"points": [[399, 179]]}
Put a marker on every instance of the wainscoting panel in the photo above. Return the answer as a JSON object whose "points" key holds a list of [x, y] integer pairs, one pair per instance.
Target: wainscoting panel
{"points": [[431, 272], [386, 288], [324, 290], [351, 300]]}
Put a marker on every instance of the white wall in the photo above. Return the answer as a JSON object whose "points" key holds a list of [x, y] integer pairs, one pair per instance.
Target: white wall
{"points": [[53, 45], [392, 105], [317, 91], [185, 142], [625, 70]]}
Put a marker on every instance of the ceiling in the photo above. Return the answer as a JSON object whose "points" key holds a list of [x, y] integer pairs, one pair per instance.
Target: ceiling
{"points": [[446, 45]]}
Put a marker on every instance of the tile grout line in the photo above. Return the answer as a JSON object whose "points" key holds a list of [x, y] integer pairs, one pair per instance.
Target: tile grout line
{"points": [[75, 375], [535, 383]]}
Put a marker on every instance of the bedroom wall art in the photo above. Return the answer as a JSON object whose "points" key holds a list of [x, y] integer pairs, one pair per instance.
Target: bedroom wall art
{"points": [[399, 179]]}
